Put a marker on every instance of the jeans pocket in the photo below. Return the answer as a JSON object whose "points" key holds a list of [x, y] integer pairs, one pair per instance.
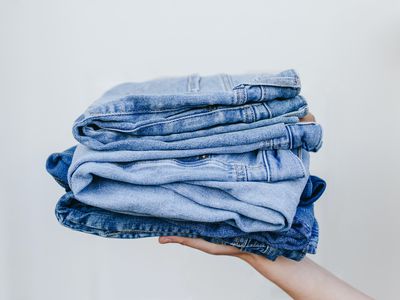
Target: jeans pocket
{"points": [[284, 164], [288, 78], [192, 159]]}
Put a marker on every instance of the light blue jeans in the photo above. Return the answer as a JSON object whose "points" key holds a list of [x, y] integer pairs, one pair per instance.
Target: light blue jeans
{"points": [[300, 239], [200, 115], [207, 149]]}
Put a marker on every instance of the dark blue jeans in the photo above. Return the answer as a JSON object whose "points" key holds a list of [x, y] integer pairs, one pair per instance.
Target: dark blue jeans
{"points": [[294, 243]]}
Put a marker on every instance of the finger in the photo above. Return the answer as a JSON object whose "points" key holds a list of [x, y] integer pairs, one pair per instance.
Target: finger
{"points": [[200, 244], [190, 242], [308, 118]]}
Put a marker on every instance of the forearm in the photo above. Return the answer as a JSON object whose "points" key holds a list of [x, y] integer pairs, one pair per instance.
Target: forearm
{"points": [[304, 279], [301, 280]]}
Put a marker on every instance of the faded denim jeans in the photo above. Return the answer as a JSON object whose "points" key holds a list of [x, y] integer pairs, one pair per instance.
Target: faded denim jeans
{"points": [[200, 115], [207, 149], [300, 239]]}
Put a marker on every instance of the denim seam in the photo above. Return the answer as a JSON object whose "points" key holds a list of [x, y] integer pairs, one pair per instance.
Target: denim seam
{"points": [[290, 137], [253, 113], [221, 77], [224, 82], [240, 96], [200, 159], [261, 167], [196, 163], [268, 170], [240, 172], [246, 95], [263, 92], [213, 159], [246, 172], [230, 81], [299, 162], [193, 83], [268, 110], [245, 113], [278, 144]]}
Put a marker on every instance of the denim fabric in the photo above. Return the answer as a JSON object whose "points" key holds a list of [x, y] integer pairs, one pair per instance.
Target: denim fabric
{"points": [[200, 115], [314, 189], [255, 191], [221, 157], [301, 238], [207, 149]]}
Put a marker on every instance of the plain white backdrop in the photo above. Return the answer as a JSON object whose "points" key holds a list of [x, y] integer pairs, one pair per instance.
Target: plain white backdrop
{"points": [[56, 57]]}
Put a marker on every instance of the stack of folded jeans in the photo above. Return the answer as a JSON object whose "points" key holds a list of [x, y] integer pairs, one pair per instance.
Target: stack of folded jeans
{"points": [[220, 157]]}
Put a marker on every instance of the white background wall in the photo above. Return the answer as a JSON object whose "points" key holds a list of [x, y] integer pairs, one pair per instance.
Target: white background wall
{"points": [[56, 57]]}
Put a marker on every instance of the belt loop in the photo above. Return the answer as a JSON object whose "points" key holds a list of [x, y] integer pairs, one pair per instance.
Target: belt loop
{"points": [[193, 83]]}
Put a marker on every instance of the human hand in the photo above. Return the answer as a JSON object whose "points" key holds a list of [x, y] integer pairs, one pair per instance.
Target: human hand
{"points": [[301, 280], [308, 118], [202, 245]]}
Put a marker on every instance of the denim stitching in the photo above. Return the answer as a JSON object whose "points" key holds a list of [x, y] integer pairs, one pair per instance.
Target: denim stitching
{"points": [[230, 81], [236, 97], [253, 113], [268, 110], [282, 81], [290, 137], [263, 92], [246, 173], [240, 174], [223, 79], [266, 166], [193, 83]]}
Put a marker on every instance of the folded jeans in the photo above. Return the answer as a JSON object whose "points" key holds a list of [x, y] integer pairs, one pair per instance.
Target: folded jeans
{"points": [[255, 191], [222, 114], [301, 238], [222, 157]]}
